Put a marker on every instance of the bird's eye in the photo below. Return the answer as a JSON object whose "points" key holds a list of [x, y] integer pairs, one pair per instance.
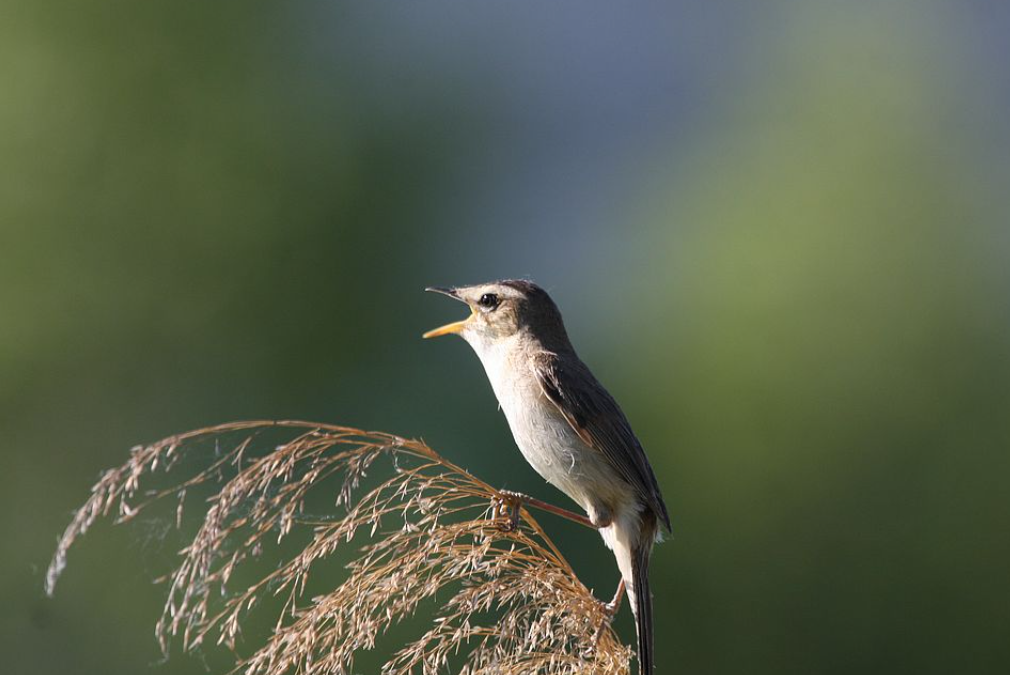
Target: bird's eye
{"points": [[488, 301]]}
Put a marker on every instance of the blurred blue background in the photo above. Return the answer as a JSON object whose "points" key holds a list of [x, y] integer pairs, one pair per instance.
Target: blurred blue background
{"points": [[778, 231]]}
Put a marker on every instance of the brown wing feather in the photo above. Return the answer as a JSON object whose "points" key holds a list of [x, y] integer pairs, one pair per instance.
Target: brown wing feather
{"points": [[595, 416]]}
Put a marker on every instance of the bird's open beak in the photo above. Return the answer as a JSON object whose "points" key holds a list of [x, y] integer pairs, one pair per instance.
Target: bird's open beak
{"points": [[450, 328]]}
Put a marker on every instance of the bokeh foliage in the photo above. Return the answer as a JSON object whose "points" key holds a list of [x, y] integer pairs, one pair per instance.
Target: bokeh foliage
{"points": [[804, 309]]}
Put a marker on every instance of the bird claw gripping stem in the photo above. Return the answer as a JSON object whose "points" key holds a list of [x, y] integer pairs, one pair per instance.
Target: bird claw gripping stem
{"points": [[506, 507], [609, 612]]}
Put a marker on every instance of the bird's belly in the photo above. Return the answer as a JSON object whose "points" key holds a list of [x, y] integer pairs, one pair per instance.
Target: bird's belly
{"points": [[556, 452], [550, 445]]}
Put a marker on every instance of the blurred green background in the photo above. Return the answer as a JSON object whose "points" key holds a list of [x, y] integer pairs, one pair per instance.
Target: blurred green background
{"points": [[779, 234]]}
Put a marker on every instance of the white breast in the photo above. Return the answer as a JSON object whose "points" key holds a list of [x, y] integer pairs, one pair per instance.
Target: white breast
{"points": [[544, 437]]}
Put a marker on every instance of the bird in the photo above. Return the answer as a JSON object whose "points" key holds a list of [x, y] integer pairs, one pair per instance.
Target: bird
{"points": [[569, 428]]}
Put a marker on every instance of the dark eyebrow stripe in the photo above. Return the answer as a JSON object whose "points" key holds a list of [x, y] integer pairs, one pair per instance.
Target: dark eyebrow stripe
{"points": [[521, 285]]}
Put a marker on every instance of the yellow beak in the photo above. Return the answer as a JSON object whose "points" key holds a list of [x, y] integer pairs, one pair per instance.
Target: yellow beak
{"points": [[450, 328]]}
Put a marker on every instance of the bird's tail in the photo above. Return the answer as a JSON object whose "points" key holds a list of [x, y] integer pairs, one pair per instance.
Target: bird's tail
{"points": [[643, 608], [632, 540]]}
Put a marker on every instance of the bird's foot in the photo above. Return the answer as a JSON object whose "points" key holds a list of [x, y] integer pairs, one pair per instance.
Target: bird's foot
{"points": [[505, 507], [506, 504], [609, 612]]}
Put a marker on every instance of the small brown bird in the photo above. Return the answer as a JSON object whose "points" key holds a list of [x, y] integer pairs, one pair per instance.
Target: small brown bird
{"points": [[568, 428]]}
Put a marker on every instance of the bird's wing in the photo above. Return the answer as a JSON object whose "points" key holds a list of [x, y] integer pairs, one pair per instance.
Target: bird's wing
{"points": [[595, 416]]}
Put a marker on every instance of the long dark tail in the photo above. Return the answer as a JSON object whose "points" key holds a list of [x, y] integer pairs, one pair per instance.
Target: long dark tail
{"points": [[643, 609]]}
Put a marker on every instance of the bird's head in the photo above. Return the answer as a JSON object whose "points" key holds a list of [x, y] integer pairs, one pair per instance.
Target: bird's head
{"points": [[503, 309]]}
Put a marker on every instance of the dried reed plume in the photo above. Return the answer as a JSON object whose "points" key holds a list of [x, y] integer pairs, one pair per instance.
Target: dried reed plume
{"points": [[501, 601]]}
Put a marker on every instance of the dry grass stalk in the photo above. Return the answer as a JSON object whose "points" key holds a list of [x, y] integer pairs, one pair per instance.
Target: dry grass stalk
{"points": [[505, 602]]}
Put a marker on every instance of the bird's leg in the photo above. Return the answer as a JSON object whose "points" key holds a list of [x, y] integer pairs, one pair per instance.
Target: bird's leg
{"points": [[611, 607], [507, 504], [610, 610]]}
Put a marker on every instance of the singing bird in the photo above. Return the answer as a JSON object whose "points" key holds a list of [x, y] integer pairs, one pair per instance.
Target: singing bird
{"points": [[569, 428]]}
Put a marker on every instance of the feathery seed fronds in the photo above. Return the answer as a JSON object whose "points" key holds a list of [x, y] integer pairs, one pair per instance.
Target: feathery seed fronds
{"points": [[506, 602]]}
